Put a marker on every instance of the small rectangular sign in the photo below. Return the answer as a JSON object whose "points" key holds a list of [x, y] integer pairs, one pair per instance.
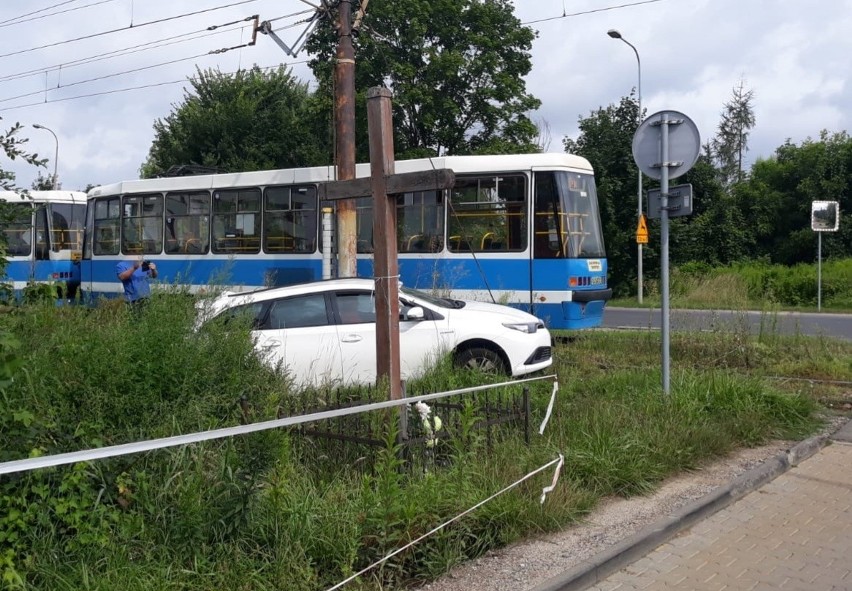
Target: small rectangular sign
{"points": [[680, 202]]}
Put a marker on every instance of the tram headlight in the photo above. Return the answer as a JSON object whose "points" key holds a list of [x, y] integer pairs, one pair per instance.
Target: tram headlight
{"points": [[527, 327]]}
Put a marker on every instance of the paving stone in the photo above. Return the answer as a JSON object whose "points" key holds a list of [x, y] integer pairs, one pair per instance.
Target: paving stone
{"points": [[795, 533]]}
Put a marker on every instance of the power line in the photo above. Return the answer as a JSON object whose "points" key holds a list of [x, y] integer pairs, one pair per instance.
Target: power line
{"points": [[154, 22], [37, 11], [35, 18], [113, 75], [144, 86], [566, 15], [157, 44]]}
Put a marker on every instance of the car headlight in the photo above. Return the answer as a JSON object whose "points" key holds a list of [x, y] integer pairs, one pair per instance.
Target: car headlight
{"points": [[527, 327]]}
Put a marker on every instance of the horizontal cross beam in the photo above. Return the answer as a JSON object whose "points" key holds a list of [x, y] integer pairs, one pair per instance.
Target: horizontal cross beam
{"points": [[408, 182]]}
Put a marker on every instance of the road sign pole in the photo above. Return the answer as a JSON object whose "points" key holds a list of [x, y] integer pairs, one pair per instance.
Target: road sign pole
{"points": [[819, 272], [665, 146], [664, 246]]}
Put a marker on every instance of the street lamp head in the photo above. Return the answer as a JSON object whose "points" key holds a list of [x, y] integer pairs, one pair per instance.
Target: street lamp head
{"points": [[614, 34], [56, 157]]}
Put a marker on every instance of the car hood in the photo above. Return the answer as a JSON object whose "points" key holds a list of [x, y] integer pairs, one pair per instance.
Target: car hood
{"points": [[510, 314]]}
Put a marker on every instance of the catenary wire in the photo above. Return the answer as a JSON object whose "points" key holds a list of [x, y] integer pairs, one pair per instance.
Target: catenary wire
{"points": [[35, 18], [146, 23], [141, 87], [604, 9], [159, 43], [115, 74], [38, 11]]}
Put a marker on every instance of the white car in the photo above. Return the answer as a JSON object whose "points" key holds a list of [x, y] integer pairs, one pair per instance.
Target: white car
{"points": [[325, 332]]}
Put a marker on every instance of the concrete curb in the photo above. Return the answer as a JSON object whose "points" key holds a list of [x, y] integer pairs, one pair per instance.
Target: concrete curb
{"points": [[629, 550]]}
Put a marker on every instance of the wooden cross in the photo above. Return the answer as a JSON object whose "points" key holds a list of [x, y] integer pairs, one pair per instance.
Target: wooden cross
{"points": [[383, 184]]}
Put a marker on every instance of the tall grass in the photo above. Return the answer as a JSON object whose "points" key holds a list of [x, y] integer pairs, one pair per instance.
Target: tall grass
{"points": [[756, 285], [274, 511]]}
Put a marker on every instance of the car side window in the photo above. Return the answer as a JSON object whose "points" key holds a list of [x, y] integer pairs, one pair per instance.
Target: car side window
{"points": [[251, 314], [356, 307], [298, 312]]}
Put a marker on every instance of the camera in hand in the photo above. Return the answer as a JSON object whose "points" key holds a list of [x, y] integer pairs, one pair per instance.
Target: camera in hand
{"points": [[146, 265]]}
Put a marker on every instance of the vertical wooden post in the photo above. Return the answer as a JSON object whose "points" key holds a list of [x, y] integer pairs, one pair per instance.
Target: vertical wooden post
{"points": [[344, 109], [385, 264]]}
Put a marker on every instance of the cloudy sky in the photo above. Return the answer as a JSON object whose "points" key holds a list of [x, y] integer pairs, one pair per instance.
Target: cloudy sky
{"points": [[68, 65]]}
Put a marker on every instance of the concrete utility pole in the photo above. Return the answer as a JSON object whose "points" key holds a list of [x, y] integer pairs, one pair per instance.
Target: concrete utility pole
{"points": [[344, 117]]}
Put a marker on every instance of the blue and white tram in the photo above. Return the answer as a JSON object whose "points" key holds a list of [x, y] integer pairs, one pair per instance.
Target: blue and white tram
{"points": [[523, 230], [44, 239]]}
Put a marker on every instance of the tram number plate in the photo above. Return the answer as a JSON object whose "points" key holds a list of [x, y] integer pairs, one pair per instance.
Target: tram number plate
{"points": [[597, 280]]}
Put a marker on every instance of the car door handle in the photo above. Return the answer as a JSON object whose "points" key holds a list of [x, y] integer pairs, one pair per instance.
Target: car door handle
{"points": [[352, 338]]}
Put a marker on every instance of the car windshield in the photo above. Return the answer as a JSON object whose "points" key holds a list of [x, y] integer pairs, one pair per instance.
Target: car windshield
{"points": [[434, 300]]}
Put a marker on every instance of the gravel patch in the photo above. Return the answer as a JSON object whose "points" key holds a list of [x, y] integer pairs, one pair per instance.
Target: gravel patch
{"points": [[528, 563]]}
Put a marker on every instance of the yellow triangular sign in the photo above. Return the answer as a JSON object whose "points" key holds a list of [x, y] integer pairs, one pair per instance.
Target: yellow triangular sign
{"points": [[642, 230]]}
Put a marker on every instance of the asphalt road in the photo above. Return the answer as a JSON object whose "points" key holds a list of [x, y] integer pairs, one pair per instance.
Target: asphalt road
{"points": [[837, 326]]}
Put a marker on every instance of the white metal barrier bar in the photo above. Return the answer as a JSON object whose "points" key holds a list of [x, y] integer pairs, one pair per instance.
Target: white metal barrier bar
{"points": [[558, 462], [152, 444]]}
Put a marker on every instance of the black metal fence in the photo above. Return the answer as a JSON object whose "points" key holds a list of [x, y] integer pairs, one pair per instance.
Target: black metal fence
{"points": [[483, 416]]}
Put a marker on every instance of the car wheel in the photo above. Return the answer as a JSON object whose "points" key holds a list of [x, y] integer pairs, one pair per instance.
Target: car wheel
{"points": [[481, 359]]}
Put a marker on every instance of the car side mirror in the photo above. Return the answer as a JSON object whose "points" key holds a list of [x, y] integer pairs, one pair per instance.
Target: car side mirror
{"points": [[415, 313]]}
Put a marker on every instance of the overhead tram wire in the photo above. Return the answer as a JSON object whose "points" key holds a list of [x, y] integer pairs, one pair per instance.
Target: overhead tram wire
{"points": [[604, 9], [150, 45], [144, 86], [38, 11], [115, 74], [35, 18], [145, 24]]}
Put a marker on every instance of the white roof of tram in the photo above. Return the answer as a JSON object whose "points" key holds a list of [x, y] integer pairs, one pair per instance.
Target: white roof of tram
{"points": [[295, 176]]}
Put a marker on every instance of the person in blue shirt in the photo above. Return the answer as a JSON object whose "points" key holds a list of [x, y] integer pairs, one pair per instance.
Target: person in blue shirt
{"points": [[135, 276]]}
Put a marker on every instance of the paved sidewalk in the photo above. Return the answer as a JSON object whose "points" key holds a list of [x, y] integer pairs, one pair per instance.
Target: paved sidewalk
{"points": [[794, 532]]}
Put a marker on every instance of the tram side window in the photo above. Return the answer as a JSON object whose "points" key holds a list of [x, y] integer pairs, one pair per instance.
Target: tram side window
{"points": [[66, 230], [364, 224], [236, 221], [106, 230], [290, 219], [549, 229], [142, 225], [488, 213], [420, 221], [19, 232], [188, 223], [567, 223]]}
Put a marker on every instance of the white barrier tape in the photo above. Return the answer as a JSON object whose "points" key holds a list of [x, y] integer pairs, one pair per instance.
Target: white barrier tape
{"points": [[549, 489], [549, 407], [446, 523], [131, 448]]}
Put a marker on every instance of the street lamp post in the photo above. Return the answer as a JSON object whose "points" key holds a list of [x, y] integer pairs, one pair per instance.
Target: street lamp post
{"points": [[616, 35], [56, 156]]}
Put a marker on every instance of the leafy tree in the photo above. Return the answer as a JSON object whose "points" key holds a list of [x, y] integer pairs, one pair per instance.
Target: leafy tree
{"points": [[606, 139], [456, 68], [42, 183], [716, 233], [251, 120], [13, 148], [731, 141], [777, 198]]}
